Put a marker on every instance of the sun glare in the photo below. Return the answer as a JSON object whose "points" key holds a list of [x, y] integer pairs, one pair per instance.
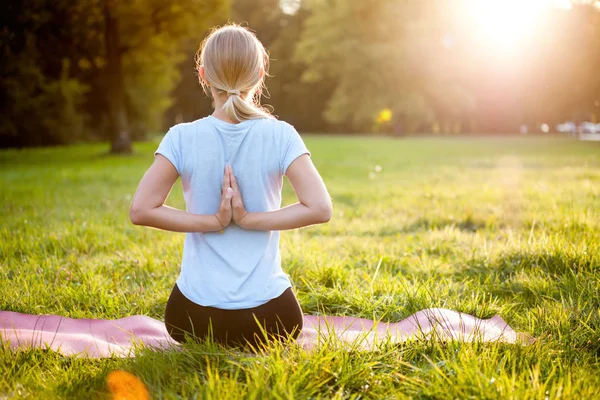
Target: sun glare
{"points": [[504, 23]]}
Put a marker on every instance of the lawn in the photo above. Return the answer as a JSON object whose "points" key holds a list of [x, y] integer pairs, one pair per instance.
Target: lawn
{"points": [[483, 226]]}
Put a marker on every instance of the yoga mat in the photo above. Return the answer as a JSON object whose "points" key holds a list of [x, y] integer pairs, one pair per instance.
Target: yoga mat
{"points": [[118, 338]]}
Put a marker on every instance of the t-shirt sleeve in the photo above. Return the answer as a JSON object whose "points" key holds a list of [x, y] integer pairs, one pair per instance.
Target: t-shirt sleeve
{"points": [[170, 147], [293, 148]]}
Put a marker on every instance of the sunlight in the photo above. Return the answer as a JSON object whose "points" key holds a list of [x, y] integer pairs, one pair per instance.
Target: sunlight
{"points": [[504, 23], [564, 4]]}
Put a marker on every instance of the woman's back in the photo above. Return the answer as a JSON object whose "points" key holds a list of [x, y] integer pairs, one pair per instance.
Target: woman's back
{"points": [[235, 268], [231, 165]]}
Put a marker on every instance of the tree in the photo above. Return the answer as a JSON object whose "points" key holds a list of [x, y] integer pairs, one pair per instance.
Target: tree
{"points": [[143, 42], [383, 54], [111, 65], [40, 98]]}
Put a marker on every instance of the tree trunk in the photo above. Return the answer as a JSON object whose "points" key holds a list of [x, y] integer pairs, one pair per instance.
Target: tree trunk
{"points": [[115, 87]]}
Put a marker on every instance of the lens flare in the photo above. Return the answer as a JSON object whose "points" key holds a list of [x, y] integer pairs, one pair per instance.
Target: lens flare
{"points": [[384, 116], [126, 386]]}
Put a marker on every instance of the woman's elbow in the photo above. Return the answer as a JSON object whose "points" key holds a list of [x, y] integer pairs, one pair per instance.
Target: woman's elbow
{"points": [[137, 215], [324, 212]]}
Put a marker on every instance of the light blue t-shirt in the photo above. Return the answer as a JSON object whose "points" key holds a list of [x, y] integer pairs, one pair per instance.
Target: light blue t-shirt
{"points": [[238, 268]]}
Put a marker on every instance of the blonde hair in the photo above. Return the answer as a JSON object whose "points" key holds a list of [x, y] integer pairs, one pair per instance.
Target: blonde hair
{"points": [[233, 59]]}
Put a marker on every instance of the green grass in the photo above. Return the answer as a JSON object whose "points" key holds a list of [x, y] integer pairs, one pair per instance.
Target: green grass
{"points": [[483, 226]]}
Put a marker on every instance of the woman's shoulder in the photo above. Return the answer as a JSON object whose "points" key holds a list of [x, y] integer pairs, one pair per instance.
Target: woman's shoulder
{"points": [[184, 127], [279, 123], [185, 132], [276, 126]]}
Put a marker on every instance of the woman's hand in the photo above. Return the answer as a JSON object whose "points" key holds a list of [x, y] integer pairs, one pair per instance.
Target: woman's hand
{"points": [[239, 210], [225, 213]]}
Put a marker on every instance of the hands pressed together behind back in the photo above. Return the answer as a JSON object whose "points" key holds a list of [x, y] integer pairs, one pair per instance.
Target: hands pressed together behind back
{"points": [[313, 206], [148, 206], [232, 206]]}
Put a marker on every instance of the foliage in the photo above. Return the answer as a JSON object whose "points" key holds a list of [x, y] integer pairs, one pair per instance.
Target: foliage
{"points": [[299, 103], [421, 60], [152, 37], [40, 99], [486, 226], [79, 56], [381, 54], [107, 69]]}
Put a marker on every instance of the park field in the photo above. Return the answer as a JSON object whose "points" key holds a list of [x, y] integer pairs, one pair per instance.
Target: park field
{"points": [[483, 226]]}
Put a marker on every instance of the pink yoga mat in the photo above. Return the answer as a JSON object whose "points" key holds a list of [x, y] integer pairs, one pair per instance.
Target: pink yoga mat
{"points": [[110, 338]]}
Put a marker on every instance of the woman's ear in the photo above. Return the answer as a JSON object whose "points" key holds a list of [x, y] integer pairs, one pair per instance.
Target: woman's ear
{"points": [[262, 72], [201, 73]]}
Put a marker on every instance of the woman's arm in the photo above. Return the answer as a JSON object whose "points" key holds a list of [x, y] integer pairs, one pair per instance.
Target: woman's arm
{"points": [[313, 206], [148, 208]]}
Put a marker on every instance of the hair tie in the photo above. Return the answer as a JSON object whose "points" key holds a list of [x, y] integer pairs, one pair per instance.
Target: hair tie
{"points": [[233, 91]]}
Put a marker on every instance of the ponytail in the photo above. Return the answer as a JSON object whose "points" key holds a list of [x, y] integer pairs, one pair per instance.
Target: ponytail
{"points": [[238, 109]]}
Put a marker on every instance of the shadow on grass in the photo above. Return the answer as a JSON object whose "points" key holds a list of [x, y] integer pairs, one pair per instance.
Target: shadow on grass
{"points": [[469, 224], [555, 263]]}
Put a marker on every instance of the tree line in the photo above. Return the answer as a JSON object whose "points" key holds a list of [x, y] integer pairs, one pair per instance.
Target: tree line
{"points": [[119, 71]]}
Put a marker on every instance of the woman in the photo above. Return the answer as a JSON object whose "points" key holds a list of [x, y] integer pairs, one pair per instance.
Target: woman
{"points": [[231, 287], [231, 166]]}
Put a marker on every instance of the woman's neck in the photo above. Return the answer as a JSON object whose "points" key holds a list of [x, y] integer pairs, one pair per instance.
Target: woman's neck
{"points": [[220, 114], [219, 101]]}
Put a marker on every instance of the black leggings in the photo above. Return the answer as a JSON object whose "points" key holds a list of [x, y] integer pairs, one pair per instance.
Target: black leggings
{"points": [[280, 318]]}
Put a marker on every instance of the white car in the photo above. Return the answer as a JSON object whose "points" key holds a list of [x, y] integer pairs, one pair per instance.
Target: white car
{"points": [[569, 127], [589, 131], [589, 127]]}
